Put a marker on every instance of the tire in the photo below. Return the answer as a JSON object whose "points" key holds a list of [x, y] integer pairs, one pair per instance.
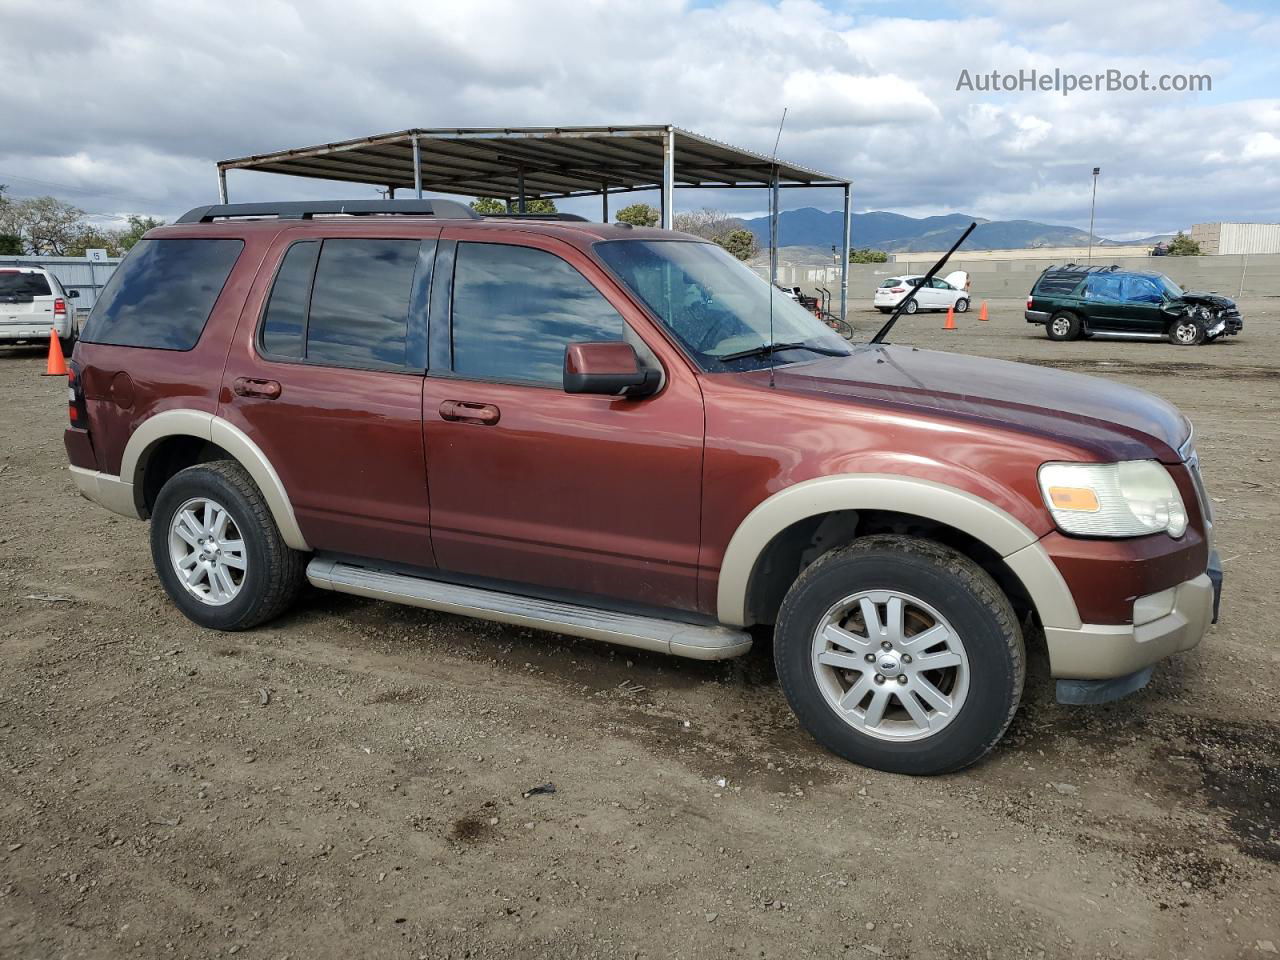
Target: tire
{"points": [[270, 574], [1063, 326], [1187, 332], [962, 305], [912, 307], [931, 582]]}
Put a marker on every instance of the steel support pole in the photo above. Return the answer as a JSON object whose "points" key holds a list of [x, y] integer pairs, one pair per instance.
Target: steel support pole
{"points": [[520, 205], [773, 230], [417, 167], [222, 185], [844, 260], [604, 201], [668, 177]]}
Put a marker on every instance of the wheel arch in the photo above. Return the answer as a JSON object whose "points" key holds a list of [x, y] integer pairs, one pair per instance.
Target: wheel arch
{"points": [[173, 439], [796, 525]]}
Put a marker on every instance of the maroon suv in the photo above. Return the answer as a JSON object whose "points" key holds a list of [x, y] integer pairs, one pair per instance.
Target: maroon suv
{"points": [[624, 434]]}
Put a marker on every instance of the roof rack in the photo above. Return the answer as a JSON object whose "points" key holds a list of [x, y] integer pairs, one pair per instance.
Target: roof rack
{"points": [[571, 217], [306, 209], [1078, 268]]}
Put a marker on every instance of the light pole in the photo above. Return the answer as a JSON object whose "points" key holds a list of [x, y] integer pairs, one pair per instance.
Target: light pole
{"points": [[1093, 204]]}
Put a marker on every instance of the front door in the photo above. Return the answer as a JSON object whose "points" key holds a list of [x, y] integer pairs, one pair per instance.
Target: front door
{"points": [[330, 387], [1140, 311], [593, 495]]}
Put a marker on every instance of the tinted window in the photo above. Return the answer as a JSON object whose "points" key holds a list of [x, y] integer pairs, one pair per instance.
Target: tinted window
{"points": [[891, 282], [515, 309], [163, 293], [285, 321], [360, 303], [16, 287]]}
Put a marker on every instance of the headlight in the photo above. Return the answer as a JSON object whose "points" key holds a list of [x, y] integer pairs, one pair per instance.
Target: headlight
{"points": [[1126, 499]]}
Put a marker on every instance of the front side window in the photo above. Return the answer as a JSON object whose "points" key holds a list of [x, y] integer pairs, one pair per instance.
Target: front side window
{"points": [[515, 309], [162, 294], [1140, 290], [354, 313], [717, 307]]}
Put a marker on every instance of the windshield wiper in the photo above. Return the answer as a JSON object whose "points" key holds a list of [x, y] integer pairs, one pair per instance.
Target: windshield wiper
{"points": [[769, 349], [902, 304]]}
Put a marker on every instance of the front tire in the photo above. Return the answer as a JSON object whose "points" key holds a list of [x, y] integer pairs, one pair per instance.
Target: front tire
{"points": [[218, 551], [1187, 332], [931, 625], [962, 305], [912, 307]]}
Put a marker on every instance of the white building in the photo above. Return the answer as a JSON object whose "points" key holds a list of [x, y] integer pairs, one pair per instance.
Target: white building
{"points": [[1235, 238]]}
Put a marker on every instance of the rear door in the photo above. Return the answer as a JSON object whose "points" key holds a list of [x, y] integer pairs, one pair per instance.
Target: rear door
{"points": [[26, 303], [326, 377], [1103, 305]]}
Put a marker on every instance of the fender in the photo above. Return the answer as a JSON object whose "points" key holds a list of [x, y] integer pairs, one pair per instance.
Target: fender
{"points": [[1007, 536], [206, 426]]}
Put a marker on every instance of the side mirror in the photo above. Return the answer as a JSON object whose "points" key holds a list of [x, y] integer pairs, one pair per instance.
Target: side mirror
{"points": [[612, 369], [73, 294]]}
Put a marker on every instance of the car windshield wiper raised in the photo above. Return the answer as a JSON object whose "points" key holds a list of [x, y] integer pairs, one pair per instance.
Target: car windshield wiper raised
{"points": [[768, 349]]}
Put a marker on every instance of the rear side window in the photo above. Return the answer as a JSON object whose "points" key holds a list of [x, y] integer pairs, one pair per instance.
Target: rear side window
{"points": [[355, 313], [515, 309], [891, 282], [163, 293], [19, 287], [1102, 287]]}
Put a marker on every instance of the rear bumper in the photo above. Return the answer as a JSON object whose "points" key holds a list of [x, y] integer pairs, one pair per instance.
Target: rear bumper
{"points": [[1165, 623], [1036, 316], [106, 490], [36, 332]]}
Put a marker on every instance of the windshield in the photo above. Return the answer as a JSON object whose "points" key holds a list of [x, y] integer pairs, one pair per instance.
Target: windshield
{"points": [[1168, 286], [717, 307]]}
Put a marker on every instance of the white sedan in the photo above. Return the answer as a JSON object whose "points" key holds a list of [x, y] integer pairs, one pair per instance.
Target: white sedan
{"points": [[953, 291]]}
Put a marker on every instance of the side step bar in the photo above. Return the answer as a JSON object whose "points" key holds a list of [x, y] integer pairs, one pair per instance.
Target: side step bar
{"points": [[1127, 335], [629, 630]]}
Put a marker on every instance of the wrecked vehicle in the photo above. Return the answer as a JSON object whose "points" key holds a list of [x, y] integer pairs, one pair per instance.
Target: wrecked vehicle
{"points": [[1076, 301]]}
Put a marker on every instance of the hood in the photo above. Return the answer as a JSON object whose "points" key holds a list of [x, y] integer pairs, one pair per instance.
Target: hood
{"points": [[1209, 299], [1113, 421]]}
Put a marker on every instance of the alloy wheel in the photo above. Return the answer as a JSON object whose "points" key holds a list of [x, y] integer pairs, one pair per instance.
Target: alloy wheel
{"points": [[207, 551], [890, 665]]}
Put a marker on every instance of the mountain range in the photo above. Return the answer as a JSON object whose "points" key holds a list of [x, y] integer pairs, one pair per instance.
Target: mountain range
{"points": [[894, 233]]}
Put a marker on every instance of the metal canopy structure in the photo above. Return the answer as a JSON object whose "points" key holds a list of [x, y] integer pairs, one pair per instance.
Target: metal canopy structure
{"points": [[516, 164]]}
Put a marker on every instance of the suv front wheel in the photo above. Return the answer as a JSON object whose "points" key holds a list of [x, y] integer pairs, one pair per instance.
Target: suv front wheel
{"points": [[218, 551], [900, 654], [1187, 332]]}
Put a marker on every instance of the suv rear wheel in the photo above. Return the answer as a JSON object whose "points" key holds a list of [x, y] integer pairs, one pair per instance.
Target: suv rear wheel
{"points": [[900, 654], [218, 551], [1063, 326]]}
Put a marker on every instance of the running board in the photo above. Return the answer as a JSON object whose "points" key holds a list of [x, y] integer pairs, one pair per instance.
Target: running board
{"points": [[629, 630], [1122, 335]]}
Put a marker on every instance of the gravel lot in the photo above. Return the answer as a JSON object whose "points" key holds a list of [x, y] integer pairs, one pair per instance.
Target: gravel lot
{"points": [[348, 781]]}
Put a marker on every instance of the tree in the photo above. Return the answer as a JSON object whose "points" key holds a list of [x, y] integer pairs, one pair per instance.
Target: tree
{"points": [[137, 227], [489, 205], [867, 255], [741, 243], [10, 243], [95, 238], [1183, 246], [45, 226], [639, 215]]}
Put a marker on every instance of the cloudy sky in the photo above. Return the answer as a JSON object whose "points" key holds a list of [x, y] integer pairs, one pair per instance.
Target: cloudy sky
{"points": [[124, 107]]}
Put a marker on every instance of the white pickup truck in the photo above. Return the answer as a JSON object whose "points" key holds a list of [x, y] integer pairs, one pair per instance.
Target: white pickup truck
{"points": [[33, 302]]}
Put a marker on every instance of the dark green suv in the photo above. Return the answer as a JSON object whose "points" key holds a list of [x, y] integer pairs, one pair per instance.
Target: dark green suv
{"points": [[1075, 301]]}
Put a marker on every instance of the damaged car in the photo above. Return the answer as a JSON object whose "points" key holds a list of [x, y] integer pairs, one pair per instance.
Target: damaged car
{"points": [[1077, 301]]}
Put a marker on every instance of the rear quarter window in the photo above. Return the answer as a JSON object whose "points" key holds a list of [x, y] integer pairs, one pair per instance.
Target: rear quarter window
{"points": [[163, 293]]}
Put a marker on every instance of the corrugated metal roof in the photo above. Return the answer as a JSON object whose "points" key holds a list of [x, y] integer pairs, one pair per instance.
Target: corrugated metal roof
{"points": [[554, 161]]}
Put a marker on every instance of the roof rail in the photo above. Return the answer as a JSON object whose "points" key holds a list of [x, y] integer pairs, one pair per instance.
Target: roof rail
{"points": [[306, 209], [1080, 268], [572, 217]]}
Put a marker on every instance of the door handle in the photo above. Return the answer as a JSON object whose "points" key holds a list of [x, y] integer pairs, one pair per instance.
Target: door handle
{"points": [[464, 411], [263, 389]]}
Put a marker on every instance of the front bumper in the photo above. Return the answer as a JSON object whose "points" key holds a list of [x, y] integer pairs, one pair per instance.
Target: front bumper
{"points": [[1165, 623]]}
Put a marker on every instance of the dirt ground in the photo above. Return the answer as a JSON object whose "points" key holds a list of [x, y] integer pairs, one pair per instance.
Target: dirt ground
{"points": [[349, 781]]}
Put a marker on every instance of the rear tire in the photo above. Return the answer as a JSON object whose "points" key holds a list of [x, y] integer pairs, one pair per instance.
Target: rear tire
{"points": [[948, 612], [228, 573], [1063, 326]]}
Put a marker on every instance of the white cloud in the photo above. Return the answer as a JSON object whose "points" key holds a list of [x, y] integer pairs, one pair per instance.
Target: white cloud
{"points": [[152, 97]]}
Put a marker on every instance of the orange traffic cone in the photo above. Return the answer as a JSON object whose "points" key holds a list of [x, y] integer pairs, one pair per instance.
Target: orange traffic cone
{"points": [[57, 364], [951, 319], [982, 313]]}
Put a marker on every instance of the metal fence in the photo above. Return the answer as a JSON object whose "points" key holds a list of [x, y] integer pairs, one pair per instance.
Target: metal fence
{"points": [[74, 273]]}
